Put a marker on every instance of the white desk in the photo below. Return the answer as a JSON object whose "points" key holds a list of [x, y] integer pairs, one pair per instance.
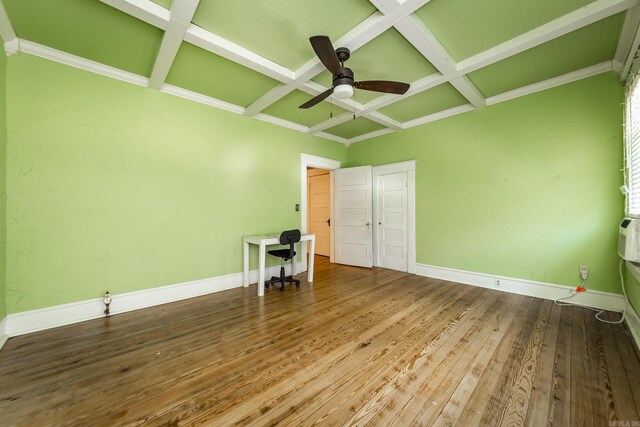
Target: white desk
{"points": [[264, 240]]}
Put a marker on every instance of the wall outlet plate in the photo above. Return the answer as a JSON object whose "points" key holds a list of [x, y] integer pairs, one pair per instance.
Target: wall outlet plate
{"points": [[584, 272]]}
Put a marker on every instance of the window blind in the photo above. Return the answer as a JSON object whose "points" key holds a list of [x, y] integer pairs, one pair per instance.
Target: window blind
{"points": [[632, 149]]}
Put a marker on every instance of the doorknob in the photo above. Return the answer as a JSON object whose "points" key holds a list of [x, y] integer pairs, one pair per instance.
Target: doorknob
{"points": [[329, 222]]}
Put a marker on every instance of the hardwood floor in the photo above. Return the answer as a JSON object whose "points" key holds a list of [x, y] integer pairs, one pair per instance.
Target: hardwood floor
{"points": [[360, 347]]}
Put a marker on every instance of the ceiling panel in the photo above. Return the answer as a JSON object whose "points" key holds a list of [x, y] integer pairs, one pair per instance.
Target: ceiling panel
{"points": [[430, 101], [87, 28], [587, 46], [356, 127], [466, 27], [280, 29], [387, 57], [164, 3], [287, 108], [204, 72]]}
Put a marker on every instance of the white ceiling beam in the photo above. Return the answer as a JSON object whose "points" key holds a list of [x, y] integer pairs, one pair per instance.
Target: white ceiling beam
{"points": [[233, 52], [281, 122], [51, 54], [593, 12], [593, 70], [382, 119], [583, 73], [11, 42], [182, 12], [366, 31], [413, 29], [362, 33], [369, 135], [334, 121], [332, 137], [631, 56], [439, 115], [415, 32], [145, 10], [200, 98], [466, 87], [627, 35]]}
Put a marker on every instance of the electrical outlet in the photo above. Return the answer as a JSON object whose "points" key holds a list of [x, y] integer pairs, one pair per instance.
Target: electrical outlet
{"points": [[497, 283], [584, 272]]}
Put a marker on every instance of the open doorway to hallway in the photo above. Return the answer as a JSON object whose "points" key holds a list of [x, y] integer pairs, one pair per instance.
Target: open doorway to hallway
{"points": [[319, 221]]}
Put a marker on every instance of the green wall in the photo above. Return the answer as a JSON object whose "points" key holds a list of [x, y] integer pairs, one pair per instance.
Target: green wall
{"points": [[3, 166], [114, 186], [118, 187], [526, 189]]}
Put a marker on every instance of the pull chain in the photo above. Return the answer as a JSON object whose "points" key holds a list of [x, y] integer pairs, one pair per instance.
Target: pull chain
{"points": [[354, 103], [331, 110]]}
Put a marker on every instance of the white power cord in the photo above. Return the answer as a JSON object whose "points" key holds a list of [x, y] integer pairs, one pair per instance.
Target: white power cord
{"points": [[563, 301]]}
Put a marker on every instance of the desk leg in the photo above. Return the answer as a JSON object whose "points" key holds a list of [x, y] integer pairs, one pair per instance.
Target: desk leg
{"points": [[312, 252], [261, 270], [293, 265], [245, 264]]}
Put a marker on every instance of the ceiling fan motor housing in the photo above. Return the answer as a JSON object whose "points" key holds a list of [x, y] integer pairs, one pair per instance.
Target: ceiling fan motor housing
{"points": [[345, 77]]}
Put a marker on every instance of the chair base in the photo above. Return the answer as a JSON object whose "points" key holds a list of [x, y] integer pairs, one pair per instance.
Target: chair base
{"points": [[282, 280]]}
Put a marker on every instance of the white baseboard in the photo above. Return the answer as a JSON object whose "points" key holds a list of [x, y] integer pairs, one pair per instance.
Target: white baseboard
{"points": [[597, 299], [550, 291], [3, 334], [51, 317]]}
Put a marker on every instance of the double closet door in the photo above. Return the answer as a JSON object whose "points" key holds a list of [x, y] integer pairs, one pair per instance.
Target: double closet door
{"points": [[371, 218]]}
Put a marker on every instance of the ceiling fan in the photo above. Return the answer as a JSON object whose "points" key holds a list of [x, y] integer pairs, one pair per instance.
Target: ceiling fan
{"points": [[343, 83]]}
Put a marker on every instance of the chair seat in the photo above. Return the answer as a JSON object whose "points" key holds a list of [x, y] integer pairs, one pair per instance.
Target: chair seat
{"points": [[281, 253]]}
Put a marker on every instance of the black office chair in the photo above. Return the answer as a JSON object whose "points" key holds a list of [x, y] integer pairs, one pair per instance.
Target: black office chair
{"points": [[289, 237]]}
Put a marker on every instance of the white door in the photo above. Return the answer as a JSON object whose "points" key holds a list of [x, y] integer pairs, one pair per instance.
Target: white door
{"points": [[391, 217], [319, 215], [353, 213]]}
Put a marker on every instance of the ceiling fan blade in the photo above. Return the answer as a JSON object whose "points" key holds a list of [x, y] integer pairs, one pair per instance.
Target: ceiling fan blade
{"points": [[313, 101], [325, 51], [383, 86]]}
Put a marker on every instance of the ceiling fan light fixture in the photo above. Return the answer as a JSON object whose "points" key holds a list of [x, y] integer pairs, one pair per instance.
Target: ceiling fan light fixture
{"points": [[343, 91]]}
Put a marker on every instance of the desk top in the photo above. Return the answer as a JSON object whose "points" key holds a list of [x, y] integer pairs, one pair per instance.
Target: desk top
{"points": [[272, 239]]}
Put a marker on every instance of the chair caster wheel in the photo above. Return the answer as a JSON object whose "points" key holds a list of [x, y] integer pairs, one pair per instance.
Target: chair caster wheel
{"points": [[282, 288], [297, 285], [267, 285]]}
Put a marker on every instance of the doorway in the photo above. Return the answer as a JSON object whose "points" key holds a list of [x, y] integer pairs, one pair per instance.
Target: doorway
{"points": [[319, 185], [310, 161]]}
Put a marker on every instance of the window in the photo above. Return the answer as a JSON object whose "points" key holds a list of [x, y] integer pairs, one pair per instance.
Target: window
{"points": [[632, 150]]}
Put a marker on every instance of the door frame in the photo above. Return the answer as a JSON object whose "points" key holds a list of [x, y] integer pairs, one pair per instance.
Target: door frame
{"points": [[311, 161], [409, 167]]}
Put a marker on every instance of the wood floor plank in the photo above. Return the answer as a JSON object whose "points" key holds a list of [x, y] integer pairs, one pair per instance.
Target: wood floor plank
{"points": [[587, 398], [540, 403], [560, 408], [360, 346], [518, 402], [451, 412]]}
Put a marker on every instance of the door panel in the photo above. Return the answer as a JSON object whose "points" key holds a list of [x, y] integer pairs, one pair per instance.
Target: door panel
{"points": [[319, 213], [353, 208], [392, 213]]}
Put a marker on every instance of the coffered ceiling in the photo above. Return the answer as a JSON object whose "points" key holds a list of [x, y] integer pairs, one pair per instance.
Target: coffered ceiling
{"points": [[254, 58]]}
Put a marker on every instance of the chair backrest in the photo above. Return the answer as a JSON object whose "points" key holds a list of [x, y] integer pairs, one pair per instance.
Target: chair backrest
{"points": [[290, 237]]}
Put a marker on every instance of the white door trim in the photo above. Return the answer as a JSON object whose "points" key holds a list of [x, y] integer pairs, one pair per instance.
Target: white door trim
{"points": [[409, 167], [311, 161]]}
